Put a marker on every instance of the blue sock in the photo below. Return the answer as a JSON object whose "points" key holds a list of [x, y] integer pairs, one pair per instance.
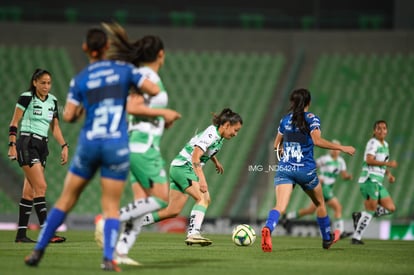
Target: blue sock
{"points": [[272, 219], [325, 227], [111, 228], [53, 221]]}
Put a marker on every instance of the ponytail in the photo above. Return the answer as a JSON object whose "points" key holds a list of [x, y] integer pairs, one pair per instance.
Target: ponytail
{"points": [[299, 99], [141, 51]]}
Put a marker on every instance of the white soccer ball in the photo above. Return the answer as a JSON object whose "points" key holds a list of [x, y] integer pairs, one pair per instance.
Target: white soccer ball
{"points": [[243, 235]]}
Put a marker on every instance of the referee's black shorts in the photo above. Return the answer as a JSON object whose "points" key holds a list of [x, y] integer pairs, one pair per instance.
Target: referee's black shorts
{"points": [[31, 149]]}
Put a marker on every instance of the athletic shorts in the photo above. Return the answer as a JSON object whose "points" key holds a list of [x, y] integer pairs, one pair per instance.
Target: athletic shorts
{"points": [[308, 180], [372, 190], [147, 168], [31, 149], [112, 157], [181, 177], [327, 190]]}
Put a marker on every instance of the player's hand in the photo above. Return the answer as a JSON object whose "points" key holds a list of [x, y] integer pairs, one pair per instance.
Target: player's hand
{"points": [[64, 155], [391, 178], [12, 154], [350, 150], [219, 168], [392, 164], [203, 186], [170, 116]]}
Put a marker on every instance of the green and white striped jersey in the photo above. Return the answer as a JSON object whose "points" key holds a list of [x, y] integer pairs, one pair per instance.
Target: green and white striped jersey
{"points": [[147, 131], [381, 153], [209, 141], [330, 168]]}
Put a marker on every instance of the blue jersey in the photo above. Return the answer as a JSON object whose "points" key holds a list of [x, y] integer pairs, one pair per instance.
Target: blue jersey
{"points": [[298, 146], [297, 165], [102, 88]]}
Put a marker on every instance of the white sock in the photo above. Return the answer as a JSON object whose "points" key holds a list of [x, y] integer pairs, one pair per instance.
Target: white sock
{"points": [[362, 225], [128, 237], [291, 215], [381, 211], [148, 219], [196, 219], [339, 225], [139, 208]]}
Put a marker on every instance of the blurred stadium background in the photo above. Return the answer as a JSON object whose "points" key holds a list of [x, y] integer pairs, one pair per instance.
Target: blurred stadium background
{"points": [[356, 57]]}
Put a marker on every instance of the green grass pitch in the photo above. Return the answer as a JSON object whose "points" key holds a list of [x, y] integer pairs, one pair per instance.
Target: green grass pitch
{"points": [[161, 253]]}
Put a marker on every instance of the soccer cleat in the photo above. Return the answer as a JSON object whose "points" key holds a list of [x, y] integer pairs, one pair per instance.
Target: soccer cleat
{"points": [[266, 240], [334, 238], [110, 265], [345, 235], [99, 227], [57, 239], [124, 259], [197, 239], [24, 240], [356, 241], [34, 258], [355, 217]]}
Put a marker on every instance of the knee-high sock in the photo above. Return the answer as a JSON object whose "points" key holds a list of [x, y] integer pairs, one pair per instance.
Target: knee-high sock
{"points": [[39, 205], [272, 219], [140, 207], [325, 227], [25, 209], [196, 219], [53, 221], [151, 218], [381, 211], [111, 228], [339, 225], [129, 236], [363, 223]]}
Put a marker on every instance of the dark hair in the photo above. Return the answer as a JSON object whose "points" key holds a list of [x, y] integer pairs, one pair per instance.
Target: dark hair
{"points": [[96, 40], [38, 73], [299, 99], [145, 49], [227, 115], [379, 122]]}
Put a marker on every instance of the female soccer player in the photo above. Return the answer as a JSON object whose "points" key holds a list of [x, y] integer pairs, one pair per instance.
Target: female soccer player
{"points": [[101, 89], [299, 131], [187, 176], [378, 201], [37, 109], [148, 117], [330, 166]]}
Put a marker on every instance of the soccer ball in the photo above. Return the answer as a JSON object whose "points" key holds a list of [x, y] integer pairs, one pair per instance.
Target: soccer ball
{"points": [[243, 235]]}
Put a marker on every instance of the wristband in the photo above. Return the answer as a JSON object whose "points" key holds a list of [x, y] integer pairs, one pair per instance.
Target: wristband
{"points": [[12, 130], [12, 143], [65, 145]]}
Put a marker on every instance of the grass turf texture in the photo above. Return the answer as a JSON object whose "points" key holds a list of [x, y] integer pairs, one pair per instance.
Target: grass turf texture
{"points": [[167, 254]]}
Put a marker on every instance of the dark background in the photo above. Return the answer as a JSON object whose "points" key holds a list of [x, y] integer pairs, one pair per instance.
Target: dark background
{"points": [[293, 14]]}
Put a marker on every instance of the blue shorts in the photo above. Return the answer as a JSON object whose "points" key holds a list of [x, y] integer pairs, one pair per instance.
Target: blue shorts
{"points": [[111, 157], [308, 180]]}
